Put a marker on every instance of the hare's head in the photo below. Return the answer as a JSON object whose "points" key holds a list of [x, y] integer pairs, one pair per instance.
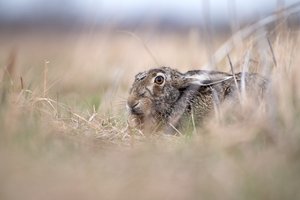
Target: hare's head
{"points": [[153, 93]]}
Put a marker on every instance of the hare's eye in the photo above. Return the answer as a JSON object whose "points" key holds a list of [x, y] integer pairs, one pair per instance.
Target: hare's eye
{"points": [[159, 80]]}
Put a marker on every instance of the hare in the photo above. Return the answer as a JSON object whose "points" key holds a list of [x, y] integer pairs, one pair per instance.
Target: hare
{"points": [[166, 97]]}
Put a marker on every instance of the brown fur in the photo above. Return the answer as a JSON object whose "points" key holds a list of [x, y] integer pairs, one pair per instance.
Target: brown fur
{"points": [[194, 92]]}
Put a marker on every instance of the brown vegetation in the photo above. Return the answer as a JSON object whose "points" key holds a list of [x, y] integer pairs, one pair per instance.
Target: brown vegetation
{"points": [[64, 132]]}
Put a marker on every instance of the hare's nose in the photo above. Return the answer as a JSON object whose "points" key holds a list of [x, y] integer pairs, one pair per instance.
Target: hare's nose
{"points": [[133, 106]]}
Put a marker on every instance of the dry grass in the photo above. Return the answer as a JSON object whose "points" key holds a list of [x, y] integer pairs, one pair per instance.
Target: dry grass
{"points": [[64, 133]]}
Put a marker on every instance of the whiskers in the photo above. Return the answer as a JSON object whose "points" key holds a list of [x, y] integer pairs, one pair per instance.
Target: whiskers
{"points": [[120, 105]]}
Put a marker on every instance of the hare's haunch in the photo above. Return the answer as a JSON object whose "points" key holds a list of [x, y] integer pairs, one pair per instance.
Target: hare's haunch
{"points": [[164, 96]]}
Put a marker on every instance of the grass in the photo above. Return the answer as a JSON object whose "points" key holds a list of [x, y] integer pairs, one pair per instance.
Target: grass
{"points": [[64, 132]]}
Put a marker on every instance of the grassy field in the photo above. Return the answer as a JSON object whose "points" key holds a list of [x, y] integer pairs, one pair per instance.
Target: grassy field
{"points": [[63, 120]]}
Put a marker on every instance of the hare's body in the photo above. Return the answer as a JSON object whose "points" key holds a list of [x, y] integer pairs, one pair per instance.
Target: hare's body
{"points": [[164, 96]]}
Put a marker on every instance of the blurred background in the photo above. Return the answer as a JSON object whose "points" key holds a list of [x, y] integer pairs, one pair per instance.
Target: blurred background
{"points": [[132, 15], [99, 40], [88, 43]]}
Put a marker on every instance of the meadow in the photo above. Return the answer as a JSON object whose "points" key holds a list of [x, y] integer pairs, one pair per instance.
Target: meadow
{"points": [[63, 124]]}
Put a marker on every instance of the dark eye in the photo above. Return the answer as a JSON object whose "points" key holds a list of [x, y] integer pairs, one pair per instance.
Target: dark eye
{"points": [[159, 80]]}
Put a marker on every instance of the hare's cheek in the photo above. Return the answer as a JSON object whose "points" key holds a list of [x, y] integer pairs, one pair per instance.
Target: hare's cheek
{"points": [[172, 96], [147, 106], [158, 90]]}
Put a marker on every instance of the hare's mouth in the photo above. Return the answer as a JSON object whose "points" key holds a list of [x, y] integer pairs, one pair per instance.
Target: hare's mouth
{"points": [[135, 109]]}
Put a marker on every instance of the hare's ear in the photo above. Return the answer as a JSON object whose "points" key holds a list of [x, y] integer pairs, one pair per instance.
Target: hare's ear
{"points": [[205, 78], [141, 76]]}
